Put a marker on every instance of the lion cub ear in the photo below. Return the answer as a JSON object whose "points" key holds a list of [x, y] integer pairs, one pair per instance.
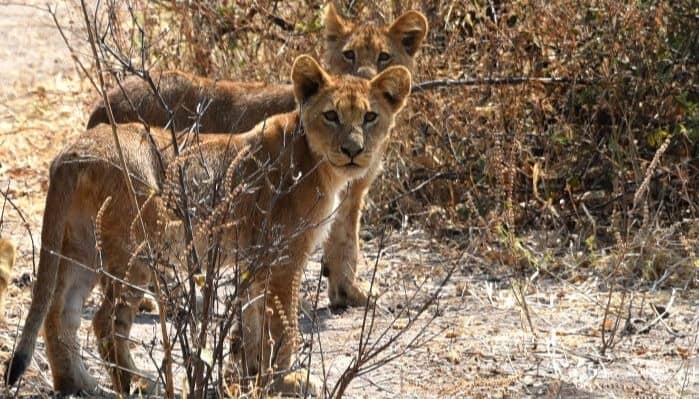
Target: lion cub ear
{"points": [[336, 27], [308, 78], [410, 29], [393, 85]]}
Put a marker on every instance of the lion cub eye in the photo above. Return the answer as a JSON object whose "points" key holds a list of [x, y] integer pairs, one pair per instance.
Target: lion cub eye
{"points": [[349, 55], [331, 116], [384, 57], [370, 117]]}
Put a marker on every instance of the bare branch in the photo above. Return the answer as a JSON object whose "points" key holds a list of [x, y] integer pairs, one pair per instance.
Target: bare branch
{"points": [[503, 81]]}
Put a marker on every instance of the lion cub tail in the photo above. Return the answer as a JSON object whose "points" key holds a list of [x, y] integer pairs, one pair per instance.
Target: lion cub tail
{"points": [[64, 176]]}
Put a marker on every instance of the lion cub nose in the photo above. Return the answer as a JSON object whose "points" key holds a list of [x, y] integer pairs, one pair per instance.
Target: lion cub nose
{"points": [[351, 148], [366, 72]]}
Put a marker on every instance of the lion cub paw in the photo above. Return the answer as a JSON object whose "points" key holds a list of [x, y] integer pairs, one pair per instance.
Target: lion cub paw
{"points": [[299, 384], [348, 293], [141, 386], [148, 305]]}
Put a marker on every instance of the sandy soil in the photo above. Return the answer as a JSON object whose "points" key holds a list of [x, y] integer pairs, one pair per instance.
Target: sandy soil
{"points": [[481, 342]]}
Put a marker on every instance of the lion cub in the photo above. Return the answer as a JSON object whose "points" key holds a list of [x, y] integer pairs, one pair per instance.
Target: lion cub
{"points": [[361, 49], [339, 131], [235, 107]]}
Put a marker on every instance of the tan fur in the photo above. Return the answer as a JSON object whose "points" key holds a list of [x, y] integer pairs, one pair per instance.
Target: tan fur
{"points": [[400, 41], [86, 173], [7, 262], [224, 106], [236, 107]]}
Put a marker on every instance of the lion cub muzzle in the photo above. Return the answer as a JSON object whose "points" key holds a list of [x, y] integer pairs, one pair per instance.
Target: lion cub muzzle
{"points": [[353, 145], [366, 72]]}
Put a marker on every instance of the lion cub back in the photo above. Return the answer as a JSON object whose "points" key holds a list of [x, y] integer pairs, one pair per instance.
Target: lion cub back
{"points": [[362, 49]]}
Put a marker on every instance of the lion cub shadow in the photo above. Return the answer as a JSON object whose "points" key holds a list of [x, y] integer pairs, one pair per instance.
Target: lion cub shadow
{"points": [[312, 320], [148, 314]]}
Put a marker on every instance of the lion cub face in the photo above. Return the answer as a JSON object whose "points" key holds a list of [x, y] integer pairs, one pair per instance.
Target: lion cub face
{"points": [[366, 49], [347, 119]]}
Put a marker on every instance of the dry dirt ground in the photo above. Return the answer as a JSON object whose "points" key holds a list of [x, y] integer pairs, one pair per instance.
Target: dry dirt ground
{"points": [[481, 342]]}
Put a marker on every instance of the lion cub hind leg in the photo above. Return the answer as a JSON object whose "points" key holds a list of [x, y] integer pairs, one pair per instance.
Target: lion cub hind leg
{"points": [[74, 284], [112, 326], [113, 320]]}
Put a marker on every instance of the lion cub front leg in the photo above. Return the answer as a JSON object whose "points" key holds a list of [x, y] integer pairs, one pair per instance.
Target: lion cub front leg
{"points": [[341, 248], [271, 326]]}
